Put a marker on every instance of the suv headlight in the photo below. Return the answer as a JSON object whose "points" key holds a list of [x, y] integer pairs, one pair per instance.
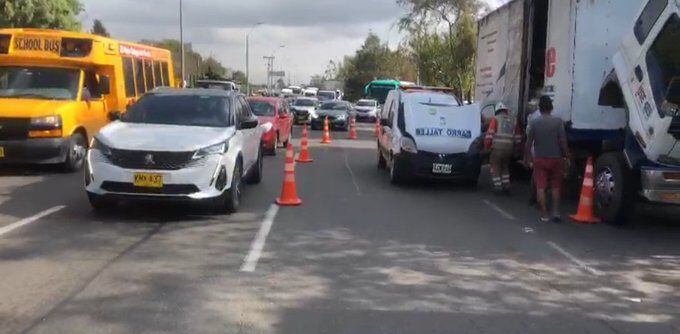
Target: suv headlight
{"points": [[99, 146], [408, 145], [217, 149]]}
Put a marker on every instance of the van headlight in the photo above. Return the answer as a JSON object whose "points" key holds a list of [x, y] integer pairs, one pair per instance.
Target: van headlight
{"points": [[217, 149], [408, 145]]}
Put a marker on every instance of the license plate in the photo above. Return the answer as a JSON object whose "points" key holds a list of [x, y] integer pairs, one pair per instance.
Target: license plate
{"points": [[2, 152], [442, 168], [148, 180]]}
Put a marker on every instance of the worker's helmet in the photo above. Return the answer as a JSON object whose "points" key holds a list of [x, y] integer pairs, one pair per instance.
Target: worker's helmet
{"points": [[501, 107]]}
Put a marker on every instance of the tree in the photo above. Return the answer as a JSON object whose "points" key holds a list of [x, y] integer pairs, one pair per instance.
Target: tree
{"points": [[239, 77], [442, 38], [99, 29], [46, 14]]}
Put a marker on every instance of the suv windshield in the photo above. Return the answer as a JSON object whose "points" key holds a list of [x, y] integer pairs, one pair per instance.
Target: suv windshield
{"points": [[39, 83], [663, 59], [190, 110], [262, 108], [304, 103], [366, 104]]}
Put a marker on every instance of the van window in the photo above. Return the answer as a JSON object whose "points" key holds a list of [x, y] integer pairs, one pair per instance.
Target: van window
{"points": [[148, 74], [129, 74], [157, 76], [648, 19], [166, 74], [139, 76]]}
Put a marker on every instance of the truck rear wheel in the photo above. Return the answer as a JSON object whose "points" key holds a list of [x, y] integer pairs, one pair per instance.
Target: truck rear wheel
{"points": [[614, 193]]}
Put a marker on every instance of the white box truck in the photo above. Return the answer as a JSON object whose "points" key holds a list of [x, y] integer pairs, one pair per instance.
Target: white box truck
{"points": [[612, 68]]}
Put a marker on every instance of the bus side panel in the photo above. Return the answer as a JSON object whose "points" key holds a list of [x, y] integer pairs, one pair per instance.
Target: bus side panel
{"points": [[559, 56], [499, 55], [600, 28]]}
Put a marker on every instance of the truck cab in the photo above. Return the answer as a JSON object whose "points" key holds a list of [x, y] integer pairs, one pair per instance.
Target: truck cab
{"points": [[646, 81]]}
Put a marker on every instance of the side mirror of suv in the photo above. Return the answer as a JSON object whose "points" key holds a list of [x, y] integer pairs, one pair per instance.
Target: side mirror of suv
{"points": [[114, 115], [385, 122], [249, 123]]}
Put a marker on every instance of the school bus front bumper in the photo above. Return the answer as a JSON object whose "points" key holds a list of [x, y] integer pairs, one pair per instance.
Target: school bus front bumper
{"points": [[33, 151]]}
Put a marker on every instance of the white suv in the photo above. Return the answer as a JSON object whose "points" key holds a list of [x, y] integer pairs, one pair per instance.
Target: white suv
{"points": [[191, 144], [427, 133]]}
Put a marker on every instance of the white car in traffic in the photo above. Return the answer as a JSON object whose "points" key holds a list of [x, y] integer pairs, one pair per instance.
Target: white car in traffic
{"points": [[192, 144]]}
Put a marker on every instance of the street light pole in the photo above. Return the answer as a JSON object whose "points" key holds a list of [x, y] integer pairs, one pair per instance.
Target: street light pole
{"points": [[181, 42], [248, 56]]}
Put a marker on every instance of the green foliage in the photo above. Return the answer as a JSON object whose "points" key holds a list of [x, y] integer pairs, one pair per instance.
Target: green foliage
{"points": [[46, 14], [442, 38], [374, 60], [99, 29], [239, 77]]}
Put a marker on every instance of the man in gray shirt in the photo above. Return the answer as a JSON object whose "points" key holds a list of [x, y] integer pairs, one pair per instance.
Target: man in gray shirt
{"points": [[548, 138]]}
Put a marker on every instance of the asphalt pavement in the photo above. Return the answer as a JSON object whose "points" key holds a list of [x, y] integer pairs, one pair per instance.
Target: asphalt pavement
{"points": [[359, 256]]}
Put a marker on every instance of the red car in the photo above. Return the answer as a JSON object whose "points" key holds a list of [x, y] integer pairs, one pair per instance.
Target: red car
{"points": [[275, 111]]}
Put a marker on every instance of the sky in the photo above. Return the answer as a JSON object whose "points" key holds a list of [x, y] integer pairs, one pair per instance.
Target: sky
{"points": [[312, 32]]}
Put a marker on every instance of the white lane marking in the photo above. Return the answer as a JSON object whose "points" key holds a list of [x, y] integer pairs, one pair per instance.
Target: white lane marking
{"points": [[31, 219], [575, 260], [500, 210], [257, 246], [351, 173]]}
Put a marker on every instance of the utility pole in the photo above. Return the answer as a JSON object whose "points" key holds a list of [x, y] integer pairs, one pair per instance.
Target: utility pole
{"points": [[181, 41], [248, 56]]}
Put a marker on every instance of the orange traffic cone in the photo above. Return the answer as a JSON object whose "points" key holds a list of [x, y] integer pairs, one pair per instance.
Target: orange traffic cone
{"points": [[326, 132], [377, 127], [585, 213], [352, 128], [304, 152], [289, 192]]}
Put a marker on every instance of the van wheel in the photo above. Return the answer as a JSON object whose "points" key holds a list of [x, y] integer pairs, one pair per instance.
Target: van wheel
{"points": [[256, 173], [614, 201], [382, 163], [230, 201], [75, 156]]}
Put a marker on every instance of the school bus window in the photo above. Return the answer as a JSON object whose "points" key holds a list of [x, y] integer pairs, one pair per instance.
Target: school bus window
{"points": [[166, 75], [157, 76], [148, 74], [129, 74], [92, 85], [139, 76]]}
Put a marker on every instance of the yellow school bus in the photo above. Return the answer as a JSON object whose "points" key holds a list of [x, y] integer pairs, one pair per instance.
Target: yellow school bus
{"points": [[58, 88]]}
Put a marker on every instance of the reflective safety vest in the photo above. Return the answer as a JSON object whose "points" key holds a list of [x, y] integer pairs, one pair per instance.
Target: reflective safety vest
{"points": [[504, 138]]}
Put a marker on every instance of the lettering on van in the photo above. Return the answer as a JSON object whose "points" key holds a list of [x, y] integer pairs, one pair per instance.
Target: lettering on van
{"points": [[129, 50], [442, 132], [37, 44]]}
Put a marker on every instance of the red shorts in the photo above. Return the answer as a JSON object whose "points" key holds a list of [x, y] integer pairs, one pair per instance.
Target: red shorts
{"points": [[548, 169]]}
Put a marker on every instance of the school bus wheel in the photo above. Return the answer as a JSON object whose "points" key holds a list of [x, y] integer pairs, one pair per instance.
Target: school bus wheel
{"points": [[75, 154]]}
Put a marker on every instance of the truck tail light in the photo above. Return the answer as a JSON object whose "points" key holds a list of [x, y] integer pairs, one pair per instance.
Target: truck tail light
{"points": [[76, 47], [4, 43]]}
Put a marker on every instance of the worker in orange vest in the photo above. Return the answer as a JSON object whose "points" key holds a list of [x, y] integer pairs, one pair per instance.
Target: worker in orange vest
{"points": [[500, 140]]}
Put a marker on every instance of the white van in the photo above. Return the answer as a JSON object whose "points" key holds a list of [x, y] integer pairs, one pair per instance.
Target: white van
{"points": [[428, 133]]}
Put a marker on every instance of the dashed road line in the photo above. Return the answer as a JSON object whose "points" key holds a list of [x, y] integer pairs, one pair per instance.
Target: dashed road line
{"points": [[575, 260], [250, 262], [28, 220], [500, 210]]}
